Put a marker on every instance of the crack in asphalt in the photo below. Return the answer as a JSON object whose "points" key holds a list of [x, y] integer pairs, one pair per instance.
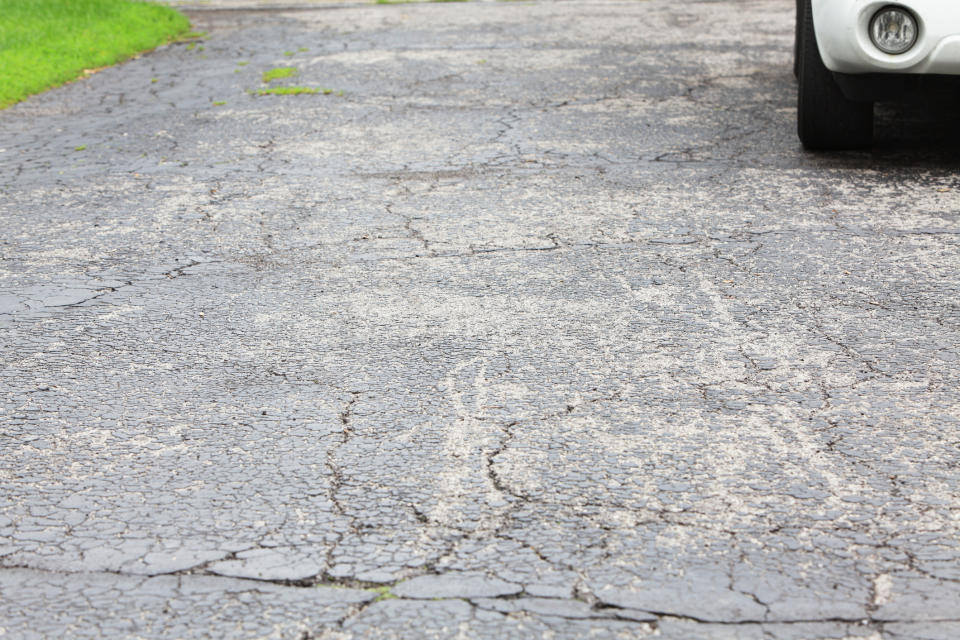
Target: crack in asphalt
{"points": [[322, 581]]}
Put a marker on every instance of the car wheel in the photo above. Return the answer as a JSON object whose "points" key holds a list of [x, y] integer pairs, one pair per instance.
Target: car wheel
{"points": [[826, 119]]}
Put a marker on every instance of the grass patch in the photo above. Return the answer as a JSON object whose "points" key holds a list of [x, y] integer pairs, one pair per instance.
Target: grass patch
{"points": [[45, 43], [278, 73], [292, 91]]}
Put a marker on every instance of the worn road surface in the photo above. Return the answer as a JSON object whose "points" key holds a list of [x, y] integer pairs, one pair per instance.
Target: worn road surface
{"points": [[537, 324]]}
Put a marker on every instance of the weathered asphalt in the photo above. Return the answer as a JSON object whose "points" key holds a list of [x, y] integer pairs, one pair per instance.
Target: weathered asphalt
{"points": [[545, 328]]}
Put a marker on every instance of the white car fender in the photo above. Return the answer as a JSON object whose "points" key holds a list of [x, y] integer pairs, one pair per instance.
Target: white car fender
{"points": [[842, 29]]}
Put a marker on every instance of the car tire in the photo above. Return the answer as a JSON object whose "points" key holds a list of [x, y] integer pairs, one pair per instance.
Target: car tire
{"points": [[826, 119], [796, 39]]}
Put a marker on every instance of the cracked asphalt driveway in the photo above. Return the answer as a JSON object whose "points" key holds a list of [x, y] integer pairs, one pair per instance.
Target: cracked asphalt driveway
{"points": [[537, 324]]}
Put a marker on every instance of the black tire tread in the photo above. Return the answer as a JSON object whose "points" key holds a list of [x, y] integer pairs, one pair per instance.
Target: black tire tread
{"points": [[797, 34], [826, 119]]}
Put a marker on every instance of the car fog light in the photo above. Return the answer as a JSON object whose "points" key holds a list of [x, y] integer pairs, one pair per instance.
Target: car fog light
{"points": [[893, 30]]}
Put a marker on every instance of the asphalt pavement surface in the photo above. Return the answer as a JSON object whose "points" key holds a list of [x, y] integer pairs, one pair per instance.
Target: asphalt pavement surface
{"points": [[530, 320]]}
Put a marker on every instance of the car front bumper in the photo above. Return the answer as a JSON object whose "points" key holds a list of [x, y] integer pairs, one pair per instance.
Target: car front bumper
{"points": [[844, 41]]}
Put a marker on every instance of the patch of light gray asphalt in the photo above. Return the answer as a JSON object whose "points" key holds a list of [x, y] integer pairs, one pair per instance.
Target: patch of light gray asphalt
{"points": [[545, 327]]}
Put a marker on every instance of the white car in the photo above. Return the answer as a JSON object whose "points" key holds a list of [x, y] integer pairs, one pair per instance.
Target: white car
{"points": [[849, 54]]}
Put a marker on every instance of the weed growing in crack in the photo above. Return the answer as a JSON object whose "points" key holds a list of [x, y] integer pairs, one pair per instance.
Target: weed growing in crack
{"points": [[383, 593], [286, 72], [292, 91]]}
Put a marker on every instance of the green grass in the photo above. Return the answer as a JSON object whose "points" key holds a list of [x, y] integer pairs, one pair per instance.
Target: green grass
{"points": [[278, 73], [296, 91], [45, 43], [292, 91]]}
